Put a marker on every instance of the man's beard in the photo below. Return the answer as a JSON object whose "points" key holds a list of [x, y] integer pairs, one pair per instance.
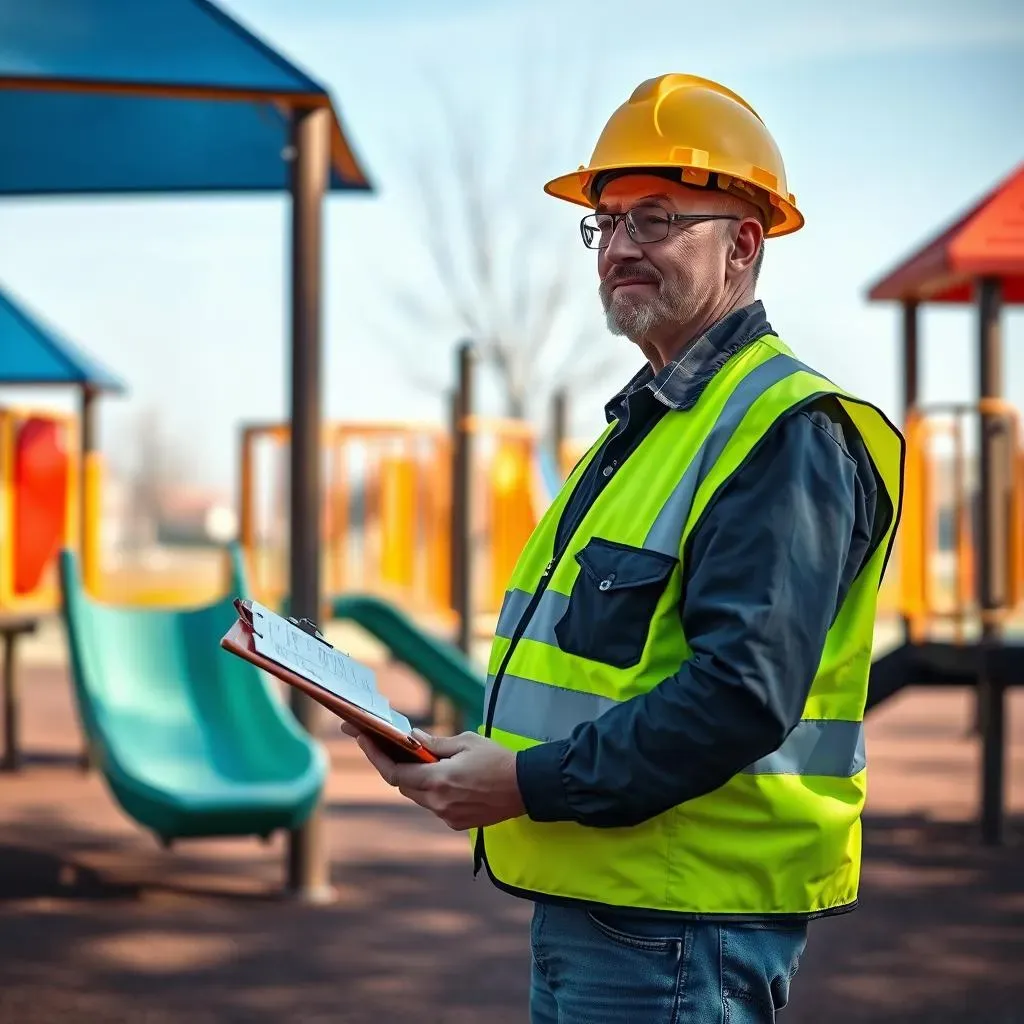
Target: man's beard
{"points": [[635, 317]]}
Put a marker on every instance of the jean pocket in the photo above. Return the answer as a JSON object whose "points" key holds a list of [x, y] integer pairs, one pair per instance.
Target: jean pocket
{"points": [[619, 932], [758, 966], [612, 602]]}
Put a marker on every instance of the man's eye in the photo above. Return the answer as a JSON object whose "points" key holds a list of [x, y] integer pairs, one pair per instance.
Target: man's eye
{"points": [[650, 219]]}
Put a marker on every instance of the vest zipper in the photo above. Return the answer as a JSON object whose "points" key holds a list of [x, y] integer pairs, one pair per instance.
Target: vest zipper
{"points": [[516, 634], [478, 846]]}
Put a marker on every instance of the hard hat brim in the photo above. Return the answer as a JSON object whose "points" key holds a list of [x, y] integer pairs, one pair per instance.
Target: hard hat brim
{"points": [[572, 187]]}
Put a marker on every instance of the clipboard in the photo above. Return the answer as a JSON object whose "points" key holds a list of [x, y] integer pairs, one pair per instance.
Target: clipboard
{"points": [[240, 640]]}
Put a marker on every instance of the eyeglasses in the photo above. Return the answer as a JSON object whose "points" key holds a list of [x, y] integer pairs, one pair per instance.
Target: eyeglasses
{"points": [[643, 223]]}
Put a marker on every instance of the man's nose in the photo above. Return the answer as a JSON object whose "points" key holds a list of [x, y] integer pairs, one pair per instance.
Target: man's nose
{"points": [[621, 248]]}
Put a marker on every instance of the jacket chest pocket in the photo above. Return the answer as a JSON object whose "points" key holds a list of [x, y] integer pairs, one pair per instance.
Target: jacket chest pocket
{"points": [[612, 602]]}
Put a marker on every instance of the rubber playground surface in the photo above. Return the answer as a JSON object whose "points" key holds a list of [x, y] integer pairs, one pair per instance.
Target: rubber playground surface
{"points": [[99, 924]]}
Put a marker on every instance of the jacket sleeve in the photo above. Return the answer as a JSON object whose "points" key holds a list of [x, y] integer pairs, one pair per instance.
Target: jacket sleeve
{"points": [[771, 562]]}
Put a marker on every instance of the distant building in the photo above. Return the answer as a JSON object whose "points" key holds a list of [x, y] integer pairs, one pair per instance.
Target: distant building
{"points": [[195, 516]]}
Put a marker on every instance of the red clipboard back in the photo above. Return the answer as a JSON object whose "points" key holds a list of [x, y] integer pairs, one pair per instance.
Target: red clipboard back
{"points": [[394, 742]]}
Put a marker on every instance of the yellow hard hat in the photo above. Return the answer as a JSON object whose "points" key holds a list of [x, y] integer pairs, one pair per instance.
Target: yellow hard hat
{"points": [[704, 131]]}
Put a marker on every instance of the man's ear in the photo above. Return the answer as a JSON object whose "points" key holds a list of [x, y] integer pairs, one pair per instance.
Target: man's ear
{"points": [[747, 240]]}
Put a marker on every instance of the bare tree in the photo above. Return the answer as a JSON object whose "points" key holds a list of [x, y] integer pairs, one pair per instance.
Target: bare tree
{"points": [[151, 465], [506, 266]]}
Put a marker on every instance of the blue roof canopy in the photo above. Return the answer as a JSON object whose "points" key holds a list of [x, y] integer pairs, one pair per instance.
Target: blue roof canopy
{"points": [[100, 96], [32, 353]]}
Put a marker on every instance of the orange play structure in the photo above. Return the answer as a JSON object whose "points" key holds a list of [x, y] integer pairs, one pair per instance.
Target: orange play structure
{"points": [[388, 536], [386, 516], [39, 503], [962, 535], [938, 565]]}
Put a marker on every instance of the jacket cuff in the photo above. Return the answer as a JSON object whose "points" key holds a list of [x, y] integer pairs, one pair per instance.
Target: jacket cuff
{"points": [[539, 775]]}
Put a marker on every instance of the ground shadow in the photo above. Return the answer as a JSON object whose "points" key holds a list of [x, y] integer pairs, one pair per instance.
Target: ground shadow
{"points": [[98, 923], [405, 940], [939, 937]]}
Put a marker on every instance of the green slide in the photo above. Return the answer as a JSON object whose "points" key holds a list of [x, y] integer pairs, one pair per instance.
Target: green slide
{"points": [[191, 740], [441, 665]]}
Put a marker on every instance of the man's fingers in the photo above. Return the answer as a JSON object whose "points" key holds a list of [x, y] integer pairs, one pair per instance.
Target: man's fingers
{"points": [[350, 730], [424, 784], [429, 799], [419, 776], [424, 797], [445, 746], [379, 760]]}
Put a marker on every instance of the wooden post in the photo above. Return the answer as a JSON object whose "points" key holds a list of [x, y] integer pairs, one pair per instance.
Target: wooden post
{"points": [[559, 428], [308, 864]]}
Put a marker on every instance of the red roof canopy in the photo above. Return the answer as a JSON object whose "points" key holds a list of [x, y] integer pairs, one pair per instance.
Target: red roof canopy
{"points": [[987, 241]]}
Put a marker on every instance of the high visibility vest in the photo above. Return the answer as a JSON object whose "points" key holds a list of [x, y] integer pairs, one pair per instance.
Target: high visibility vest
{"points": [[598, 622]]}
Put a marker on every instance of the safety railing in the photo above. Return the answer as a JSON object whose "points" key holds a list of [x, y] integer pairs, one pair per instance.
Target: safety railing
{"points": [[940, 569]]}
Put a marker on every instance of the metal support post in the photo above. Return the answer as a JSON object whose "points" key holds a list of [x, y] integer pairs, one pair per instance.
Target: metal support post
{"points": [[993, 536], [308, 864]]}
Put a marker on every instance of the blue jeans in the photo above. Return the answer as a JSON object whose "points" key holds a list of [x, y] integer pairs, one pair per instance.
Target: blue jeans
{"points": [[603, 967]]}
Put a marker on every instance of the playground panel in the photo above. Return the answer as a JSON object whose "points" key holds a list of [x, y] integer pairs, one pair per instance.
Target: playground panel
{"points": [[386, 515]]}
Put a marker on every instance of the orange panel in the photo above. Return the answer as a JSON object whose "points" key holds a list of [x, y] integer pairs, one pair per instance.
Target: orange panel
{"points": [[399, 512], [512, 514], [439, 527]]}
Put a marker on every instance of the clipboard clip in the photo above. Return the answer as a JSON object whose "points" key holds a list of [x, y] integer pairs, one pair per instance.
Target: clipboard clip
{"points": [[310, 627], [244, 610], [245, 614]]}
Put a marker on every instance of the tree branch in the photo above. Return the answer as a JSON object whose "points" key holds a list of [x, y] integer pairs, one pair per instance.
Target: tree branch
{"points": [[499, 272]]}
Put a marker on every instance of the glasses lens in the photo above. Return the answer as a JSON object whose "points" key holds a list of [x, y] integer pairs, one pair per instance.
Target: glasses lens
{"points": [[646, 224], [597, 230], [649, 223]]}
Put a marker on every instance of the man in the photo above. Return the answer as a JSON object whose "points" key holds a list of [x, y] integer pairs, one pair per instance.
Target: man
{"points": [[672, 762]]}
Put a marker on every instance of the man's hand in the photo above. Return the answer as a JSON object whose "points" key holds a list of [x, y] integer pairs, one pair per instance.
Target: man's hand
{"points": [[474, 784]]}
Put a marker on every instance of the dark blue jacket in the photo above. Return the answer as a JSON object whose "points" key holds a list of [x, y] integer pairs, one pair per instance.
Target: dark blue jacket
{"points": [[767, 569]]}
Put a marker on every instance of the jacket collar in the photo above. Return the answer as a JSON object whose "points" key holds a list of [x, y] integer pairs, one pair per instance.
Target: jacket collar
{"points": [[680, 384]]}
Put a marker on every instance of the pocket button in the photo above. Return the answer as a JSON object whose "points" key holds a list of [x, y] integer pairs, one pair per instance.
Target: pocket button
{"points": [[606, 583]]}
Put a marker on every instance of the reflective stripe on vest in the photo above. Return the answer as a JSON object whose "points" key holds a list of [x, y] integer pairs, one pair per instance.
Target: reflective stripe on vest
{"points": [[829, 747], [668, 527]]}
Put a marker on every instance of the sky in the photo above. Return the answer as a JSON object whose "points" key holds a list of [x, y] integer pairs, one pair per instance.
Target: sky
{"points": [[892, 118]]}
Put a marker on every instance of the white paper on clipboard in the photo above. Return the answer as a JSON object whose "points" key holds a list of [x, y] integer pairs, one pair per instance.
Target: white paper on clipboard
{"points": [[282, 641]]}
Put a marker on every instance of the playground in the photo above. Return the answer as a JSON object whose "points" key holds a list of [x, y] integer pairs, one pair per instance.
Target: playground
{"points": [[185, 839]]}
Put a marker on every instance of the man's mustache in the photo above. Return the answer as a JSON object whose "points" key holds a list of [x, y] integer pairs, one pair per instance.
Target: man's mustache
{"points": [[629, 275]]}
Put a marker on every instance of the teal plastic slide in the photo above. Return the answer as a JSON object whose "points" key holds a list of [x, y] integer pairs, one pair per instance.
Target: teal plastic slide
{"points": [[191, 740], [443, 667]]}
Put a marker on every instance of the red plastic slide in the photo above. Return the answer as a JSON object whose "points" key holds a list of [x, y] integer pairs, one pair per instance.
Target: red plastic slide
{"points": [[40, 499]]}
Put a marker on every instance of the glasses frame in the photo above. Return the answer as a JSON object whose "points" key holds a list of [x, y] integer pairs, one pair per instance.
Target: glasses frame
{"points": [[671, 218]]}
